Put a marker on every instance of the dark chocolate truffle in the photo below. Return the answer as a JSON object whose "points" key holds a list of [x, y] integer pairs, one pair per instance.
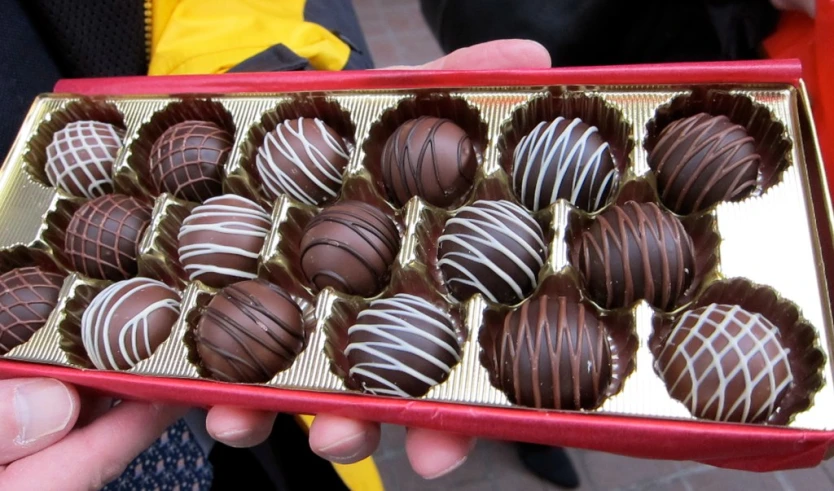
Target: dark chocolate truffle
{"points": [[564, 159], [27, 297], [249, 332], [127, 321], [220, 241], [303, 158], [104, 234], [726, 364], [494, 248], [350, 246], [187, 160], [702, 160], [429, 157], [636, 251], [401, 346], [80, 158], [551, 353]]}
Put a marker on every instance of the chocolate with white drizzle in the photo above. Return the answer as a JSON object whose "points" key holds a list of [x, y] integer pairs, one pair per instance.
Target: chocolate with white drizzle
{"points": [[726, 364], [127, 321], [80, 158], [303, 158], [563, 159], [219, 242], [401, 346], [494, 248]]}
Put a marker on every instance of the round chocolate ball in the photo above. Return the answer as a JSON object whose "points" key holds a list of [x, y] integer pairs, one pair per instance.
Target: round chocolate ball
{"points": [[702, 160], [304, 159], [636, 251], [220, 241], [187, 160], [350, 247], [249, 332], [27, 297], [104, 234], [429, 157], [726, 364], [494, 248], [80, 158], [551, 353], [127, 321], [563, 159], [401, 346]]}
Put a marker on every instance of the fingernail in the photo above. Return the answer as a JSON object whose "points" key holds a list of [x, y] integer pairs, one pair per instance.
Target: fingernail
{"points": [[449, 469], [41, 407], [336, 450]]}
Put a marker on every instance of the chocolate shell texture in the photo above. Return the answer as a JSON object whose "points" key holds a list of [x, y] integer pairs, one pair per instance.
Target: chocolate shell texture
{"points": [[27, 298], [104, 234], [127, 321], [432, 158], [303, 158], [636, 251], [249, 332], [80, 158], [401, 346], [220, 241], [726, 364], [702, 160], [494, 248], [563, 159], [187, 160], [552, 353], [350, 247]]}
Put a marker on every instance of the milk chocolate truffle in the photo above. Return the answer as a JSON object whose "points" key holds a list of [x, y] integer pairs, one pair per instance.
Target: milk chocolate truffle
{"points": [[429, 157], [636, 251], [104, 234], [127, 321], [80, 158], [552, 353], [726, 364], [249, 332], [27, 297], [187, 160], [494, 248], [401, 346], [304, 159], [219, 242], [350, 247], [702, 160], [563, 159]]}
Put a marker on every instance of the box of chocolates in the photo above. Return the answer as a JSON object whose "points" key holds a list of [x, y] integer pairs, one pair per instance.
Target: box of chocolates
{"points": [[630, 259]]}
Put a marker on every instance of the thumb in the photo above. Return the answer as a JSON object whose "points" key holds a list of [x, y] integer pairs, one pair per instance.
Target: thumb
{"points": [[505, 54]]}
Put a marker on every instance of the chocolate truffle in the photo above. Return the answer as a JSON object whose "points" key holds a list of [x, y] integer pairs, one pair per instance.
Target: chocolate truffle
{"points": [[187, 160], [494, 248], [564, 159], [636, 251], [702, 160], [249, 332], [80, 158], [349, 246], [127, 321], [401, 346], [303, 158], [429, 157], [27, 297], [220, 241], [104, 234], [551, 353], [725, 364]]}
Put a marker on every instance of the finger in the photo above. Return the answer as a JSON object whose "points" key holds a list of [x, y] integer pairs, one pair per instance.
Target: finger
{"points": [[506, 54], [341, 440], [34, 414], [238, 427], [433, 454]]}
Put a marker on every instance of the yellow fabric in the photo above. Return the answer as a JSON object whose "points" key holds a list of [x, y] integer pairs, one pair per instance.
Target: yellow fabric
{"points": [[212, 36]]}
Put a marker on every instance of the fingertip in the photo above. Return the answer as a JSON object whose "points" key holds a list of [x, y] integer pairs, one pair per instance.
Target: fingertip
{"points": [[237, 427], [343, 440], [433, 454]]}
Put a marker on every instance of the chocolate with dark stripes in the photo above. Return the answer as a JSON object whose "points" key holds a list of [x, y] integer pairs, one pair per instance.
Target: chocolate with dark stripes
{"points": [[249, 332], [27, 297]]}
